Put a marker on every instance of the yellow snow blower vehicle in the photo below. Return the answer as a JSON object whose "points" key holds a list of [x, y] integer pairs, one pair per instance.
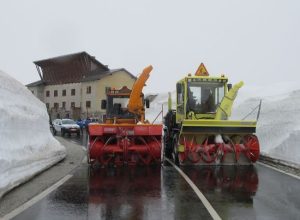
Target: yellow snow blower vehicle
{"points": [[199, 130]]}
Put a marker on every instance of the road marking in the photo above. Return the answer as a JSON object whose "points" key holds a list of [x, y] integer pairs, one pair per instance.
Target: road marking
{"points": [[35, 199], [74, 142], [278, 170], [205, 202], [84, 160]]}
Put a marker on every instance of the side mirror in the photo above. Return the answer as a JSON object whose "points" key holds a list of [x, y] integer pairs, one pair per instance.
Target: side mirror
{"points": [[229, 86], [147, 101], [103, 104], [178, 88]]}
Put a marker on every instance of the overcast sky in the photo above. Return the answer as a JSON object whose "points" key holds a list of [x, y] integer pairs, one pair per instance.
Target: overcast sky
{"points": [[256, 41]]}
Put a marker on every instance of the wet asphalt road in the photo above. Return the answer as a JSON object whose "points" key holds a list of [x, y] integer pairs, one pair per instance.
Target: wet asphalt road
{"points": [[246, 192]]}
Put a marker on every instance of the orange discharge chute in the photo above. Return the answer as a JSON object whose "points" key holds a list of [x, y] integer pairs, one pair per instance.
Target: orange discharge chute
{"points": [[135, 104]]}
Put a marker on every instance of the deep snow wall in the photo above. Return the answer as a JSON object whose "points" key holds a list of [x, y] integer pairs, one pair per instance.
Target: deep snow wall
{"points": [[26, 143], [278, 127]]}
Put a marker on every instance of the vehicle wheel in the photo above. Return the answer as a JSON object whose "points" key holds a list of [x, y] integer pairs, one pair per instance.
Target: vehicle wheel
{"points": [[175, 158], [54, 131], [78, 134], [174, 152], [62, 133], [168, 150]]}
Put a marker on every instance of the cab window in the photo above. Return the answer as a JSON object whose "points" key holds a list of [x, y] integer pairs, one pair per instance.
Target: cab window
{"points": [[180, 98]]}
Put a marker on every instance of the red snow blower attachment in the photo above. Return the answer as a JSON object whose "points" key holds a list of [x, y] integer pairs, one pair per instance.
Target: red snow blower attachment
{"points": [[125, 137]]}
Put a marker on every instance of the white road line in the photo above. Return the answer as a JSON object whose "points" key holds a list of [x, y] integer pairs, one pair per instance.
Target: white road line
{"points": [[74, 142], [205, 202], [278, 170], [84, 160], [35, 199]]}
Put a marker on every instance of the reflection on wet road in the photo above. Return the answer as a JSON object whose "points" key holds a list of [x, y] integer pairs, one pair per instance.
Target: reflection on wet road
{"points": [[142, 193], [245, 192], [248, 192], [230, 189], [82, 140], [121, 193]]}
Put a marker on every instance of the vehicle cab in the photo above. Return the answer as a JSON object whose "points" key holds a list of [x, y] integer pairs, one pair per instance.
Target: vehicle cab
{"points": [[198, 97]]}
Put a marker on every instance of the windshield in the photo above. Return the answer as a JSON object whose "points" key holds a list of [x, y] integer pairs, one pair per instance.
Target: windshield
{"points": [[204, 97], [68, 121], [122, 101], [117, 107]]}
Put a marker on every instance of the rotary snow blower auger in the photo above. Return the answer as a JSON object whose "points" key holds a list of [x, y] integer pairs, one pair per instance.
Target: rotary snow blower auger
{"points": [[125, 137], [199, 132]]}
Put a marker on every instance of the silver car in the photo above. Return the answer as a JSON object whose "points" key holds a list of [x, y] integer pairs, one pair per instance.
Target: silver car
{"points": [[65, 126]]}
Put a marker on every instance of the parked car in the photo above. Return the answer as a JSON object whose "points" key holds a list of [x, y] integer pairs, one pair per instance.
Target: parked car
{"points": [[65, 126], [83, 123]]}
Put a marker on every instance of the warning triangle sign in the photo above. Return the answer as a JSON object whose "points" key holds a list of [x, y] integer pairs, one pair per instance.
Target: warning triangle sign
{"points": [[201, 71]]}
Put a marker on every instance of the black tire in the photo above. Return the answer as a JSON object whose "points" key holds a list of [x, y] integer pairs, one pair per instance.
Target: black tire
{"points": [[168, 133], [62, 133], [54, 131], [168, 151], [174, 152], [78, 134]]}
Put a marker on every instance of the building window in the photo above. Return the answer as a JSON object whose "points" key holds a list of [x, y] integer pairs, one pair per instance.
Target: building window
{"points": [[47, 105], [64, 92], [72, 104], [55, 93], [88, 90], [88, 104], [72, 92], [47, 93], [64, 104], [56, 105]]}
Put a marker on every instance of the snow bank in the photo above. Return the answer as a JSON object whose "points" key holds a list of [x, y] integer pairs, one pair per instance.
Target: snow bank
{"points": [[157, 105], [26, 143], [278, 127]]}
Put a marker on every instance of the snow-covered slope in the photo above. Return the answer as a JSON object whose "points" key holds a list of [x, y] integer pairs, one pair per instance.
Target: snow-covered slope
{"points": [[160, 103], [26, 143], [278, 127]]}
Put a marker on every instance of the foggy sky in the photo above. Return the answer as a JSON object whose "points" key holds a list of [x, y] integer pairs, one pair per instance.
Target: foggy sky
{"points": [[254, 41]]}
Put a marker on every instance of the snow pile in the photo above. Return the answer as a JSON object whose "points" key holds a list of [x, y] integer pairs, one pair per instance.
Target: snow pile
{"points": [[26, 143], [278, 127], [159, 103]]}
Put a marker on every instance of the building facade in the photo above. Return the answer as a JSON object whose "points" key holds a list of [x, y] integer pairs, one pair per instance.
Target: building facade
{"points": [[72, 88]]}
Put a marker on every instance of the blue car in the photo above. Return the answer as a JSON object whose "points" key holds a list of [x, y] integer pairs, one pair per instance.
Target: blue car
{"points": [[85, 122]]}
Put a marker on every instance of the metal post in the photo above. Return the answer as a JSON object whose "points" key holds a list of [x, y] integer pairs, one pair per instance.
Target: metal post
{"points": [[162, 112], [258, 113]]}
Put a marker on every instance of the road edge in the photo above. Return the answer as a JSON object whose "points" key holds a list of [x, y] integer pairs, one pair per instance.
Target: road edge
{"points": [[36, 198]]}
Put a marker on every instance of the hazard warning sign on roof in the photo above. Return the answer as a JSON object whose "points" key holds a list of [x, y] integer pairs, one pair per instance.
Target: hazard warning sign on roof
{"points": [[201, 71]]}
